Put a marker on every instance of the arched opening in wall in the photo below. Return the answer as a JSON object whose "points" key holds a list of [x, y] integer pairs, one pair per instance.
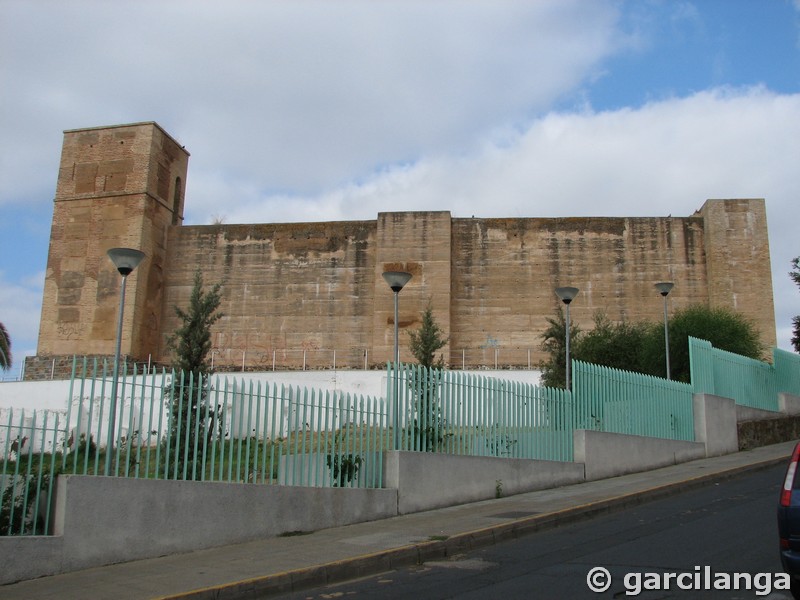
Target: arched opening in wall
{"points": [[176, 202]]}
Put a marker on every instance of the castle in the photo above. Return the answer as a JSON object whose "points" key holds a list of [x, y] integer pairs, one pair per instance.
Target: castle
{"points": [[311, 295]]}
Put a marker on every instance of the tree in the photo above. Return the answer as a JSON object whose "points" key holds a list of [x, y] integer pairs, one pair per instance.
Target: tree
{"points": [[5, 348], [191, 344], [726, 329], [615, 345], [795, 275], [428, 424], [427, 340], [639, 346]]}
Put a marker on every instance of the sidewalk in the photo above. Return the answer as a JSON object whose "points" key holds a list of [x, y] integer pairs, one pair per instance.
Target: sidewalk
{"points": [[278, 565]]}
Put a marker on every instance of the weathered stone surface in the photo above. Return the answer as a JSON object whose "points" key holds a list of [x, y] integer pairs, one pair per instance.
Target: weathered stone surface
{"points": [[117, 186], [294, 293]]}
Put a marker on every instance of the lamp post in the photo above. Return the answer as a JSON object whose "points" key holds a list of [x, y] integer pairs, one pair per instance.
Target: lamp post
{"points": [[125, 260], [213, 352], [567, 295], [396, 280], [664, 289]]}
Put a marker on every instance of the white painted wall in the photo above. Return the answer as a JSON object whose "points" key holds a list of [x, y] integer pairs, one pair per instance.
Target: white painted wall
{"points": [[54, 395], [67, 400]]}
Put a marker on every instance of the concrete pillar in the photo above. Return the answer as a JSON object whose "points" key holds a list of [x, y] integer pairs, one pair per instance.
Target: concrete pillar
{"points": [[789, 404], [715, 424]]}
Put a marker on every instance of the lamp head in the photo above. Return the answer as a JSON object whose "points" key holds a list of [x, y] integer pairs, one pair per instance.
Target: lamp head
{"points": [[567, 294], [396, 279], [664, 287], [125, 259]]}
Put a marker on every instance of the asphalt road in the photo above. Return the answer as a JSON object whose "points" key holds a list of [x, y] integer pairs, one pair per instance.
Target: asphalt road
{"points": [[711, 533]]}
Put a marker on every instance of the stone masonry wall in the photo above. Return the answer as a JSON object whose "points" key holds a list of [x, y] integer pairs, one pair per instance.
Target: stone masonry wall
{"points": [[318, 286], [505, 272], [286, 288], [738, 261], [117, 187]]}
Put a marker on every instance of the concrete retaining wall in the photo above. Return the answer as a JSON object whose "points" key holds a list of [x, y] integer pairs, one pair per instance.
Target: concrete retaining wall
{"points": [[611, 454], [29, 557], [746, 413], [429, 480], [788, 404], [105, 520]]}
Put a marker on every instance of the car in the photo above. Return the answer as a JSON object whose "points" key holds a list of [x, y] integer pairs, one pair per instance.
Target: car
{"points": [[789, 521]]}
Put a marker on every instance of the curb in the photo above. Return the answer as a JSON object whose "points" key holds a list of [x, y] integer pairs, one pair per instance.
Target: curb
{"points": [[386, 560]]}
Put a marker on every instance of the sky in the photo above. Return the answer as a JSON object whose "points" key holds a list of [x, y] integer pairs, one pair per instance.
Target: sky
{"points": [[317, 110]]}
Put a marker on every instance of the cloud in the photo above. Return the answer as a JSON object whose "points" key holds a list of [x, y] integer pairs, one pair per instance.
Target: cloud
{"points": [[20, 311], [665, 157], [301, 96]]}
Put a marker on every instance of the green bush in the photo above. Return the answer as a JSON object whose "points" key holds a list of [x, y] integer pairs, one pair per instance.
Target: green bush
{"points": [[640, 346]]}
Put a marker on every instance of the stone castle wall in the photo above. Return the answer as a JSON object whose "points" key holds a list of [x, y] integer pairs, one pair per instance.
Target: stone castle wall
{"points": [[295, 293], [117, 187]]}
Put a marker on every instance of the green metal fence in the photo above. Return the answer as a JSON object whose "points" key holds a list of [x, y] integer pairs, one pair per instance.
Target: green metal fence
{"points": [[459, 413], [748, 381], [170, 426], [618, 401], [787, 371], [25, 481]]}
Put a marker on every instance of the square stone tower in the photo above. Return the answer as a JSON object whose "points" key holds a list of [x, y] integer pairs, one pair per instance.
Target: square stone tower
{"points": [[120, 186], [738, 262]]}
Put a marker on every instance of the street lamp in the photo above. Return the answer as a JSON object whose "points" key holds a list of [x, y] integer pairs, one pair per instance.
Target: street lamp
{"points": [[664, 289], [567, 295], [396, 280], [126, 260], [213, 352]]}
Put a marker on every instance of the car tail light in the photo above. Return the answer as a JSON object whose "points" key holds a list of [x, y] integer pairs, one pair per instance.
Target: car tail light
{"points": [[788, 482]]}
